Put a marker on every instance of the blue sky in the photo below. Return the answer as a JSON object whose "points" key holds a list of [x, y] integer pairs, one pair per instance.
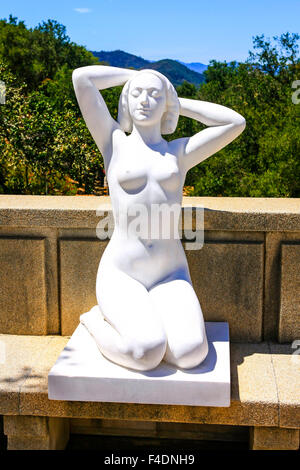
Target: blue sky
{"points": [[188, 30]]}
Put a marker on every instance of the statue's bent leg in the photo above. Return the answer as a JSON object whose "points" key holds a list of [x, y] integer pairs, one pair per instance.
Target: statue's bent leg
{"points": [[129, 331], [180, 310]]}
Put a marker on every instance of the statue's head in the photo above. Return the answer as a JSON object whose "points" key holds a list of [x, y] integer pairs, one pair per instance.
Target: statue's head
{"points": [[147, 98]]}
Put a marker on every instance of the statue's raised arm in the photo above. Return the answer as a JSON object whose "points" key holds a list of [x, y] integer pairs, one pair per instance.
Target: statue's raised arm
{"points": [[224, 126], [87, 82]]}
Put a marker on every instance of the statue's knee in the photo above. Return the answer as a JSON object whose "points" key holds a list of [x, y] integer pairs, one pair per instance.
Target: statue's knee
{"points": [[148, 354], [193, 356]]}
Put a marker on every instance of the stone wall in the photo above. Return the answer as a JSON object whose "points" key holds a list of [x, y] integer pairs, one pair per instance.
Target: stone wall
{"points": [[247, 273]]}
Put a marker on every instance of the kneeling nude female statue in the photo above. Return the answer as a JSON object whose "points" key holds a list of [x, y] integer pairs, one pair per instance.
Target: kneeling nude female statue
{"points": [[147, 308]]}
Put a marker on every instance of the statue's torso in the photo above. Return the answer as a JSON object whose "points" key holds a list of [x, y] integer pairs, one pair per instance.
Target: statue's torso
{"points": [[146, 193]]}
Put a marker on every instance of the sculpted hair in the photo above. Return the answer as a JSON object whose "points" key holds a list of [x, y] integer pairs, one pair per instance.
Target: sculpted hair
{"points": [[170, 117]]}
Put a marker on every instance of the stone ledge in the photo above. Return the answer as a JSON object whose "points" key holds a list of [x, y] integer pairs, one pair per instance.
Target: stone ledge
{"points": [[221, 213], [287, 376], [257, 378], [274, 439], [36, 433]]}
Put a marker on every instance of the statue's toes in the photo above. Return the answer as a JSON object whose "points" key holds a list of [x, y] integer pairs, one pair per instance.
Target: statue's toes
{"points": [[91, 318]]}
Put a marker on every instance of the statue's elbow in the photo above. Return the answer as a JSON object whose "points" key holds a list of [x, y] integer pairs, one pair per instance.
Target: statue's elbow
{"points": [[241, 122], [238, 124], [80, 78], [76, 74]]}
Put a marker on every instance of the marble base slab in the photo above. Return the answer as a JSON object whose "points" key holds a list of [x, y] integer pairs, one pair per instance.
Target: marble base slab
{"points": [[82, 373]]}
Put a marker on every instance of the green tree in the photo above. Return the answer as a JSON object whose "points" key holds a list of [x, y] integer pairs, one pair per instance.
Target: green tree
{"points": [[43, 148], [36, 54], [264, 160]]}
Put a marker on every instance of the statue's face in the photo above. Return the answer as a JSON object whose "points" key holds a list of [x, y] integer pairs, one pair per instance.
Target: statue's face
{"points": [[146, 99]]}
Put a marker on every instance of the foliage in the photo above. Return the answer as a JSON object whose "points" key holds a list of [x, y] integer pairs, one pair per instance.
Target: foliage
{"points": [[264, 161], [46, 148], [40, 144], [38, 53], [44, 143]]}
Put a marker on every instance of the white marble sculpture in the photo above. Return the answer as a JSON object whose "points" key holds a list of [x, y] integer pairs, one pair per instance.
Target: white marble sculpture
{"points": [[147, 308]]}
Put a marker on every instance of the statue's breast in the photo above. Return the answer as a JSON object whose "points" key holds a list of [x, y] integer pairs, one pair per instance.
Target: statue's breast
{"points": [[166, 173], [132, 180], [169, 179], [136, 171]]}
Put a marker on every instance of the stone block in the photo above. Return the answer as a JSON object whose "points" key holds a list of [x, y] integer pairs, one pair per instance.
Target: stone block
{"points": [[79, 261], [263, 438], [82, 373], [113, 427], [26, 426], [289, 316], [286, 363], [34, 389], [36, 432], [254, 400], [23, 306], [18, 357], [228, 280], [221, 213]]}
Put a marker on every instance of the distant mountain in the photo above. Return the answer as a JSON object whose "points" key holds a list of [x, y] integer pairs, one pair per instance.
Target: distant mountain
{"points": [[121, 59], [195, 66], [176, 72]]}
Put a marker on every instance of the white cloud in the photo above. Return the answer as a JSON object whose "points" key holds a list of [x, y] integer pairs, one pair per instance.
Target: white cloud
{"points": [[82, 10]]}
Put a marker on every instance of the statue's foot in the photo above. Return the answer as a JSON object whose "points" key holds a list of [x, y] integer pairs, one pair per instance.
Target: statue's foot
{"points": [[92, 319]]}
